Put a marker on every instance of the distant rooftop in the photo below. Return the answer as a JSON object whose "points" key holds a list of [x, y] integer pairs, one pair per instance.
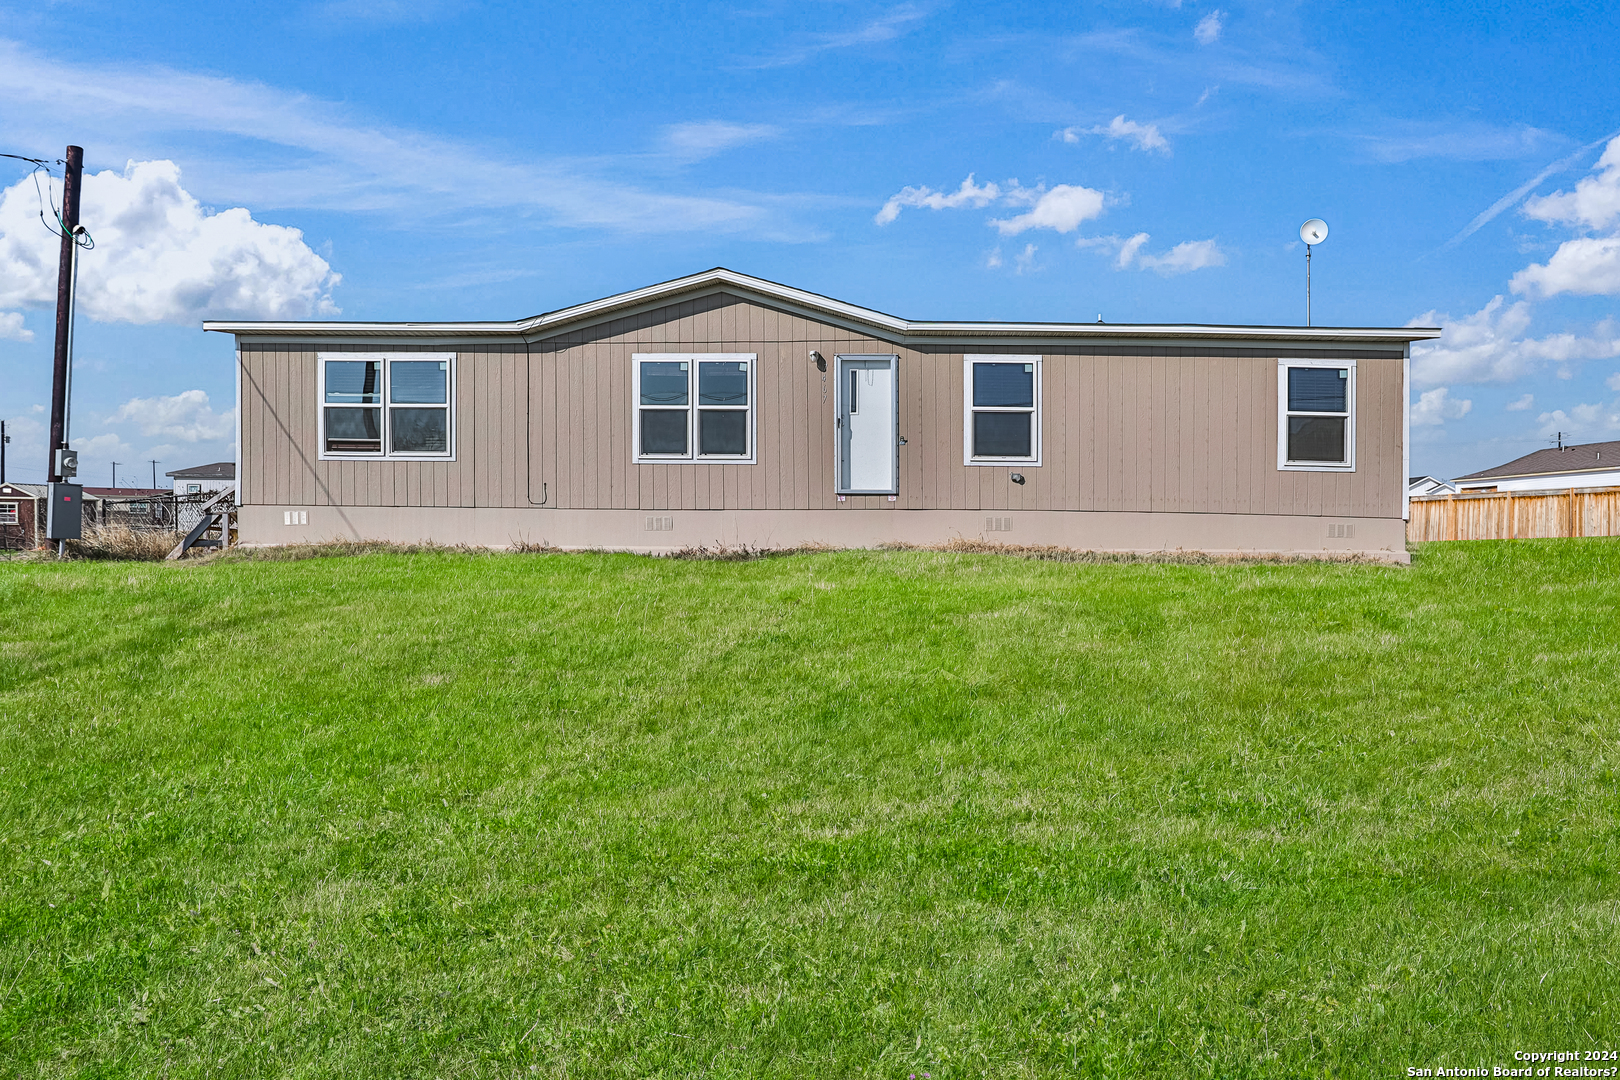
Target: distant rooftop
{"points": [[1587, 457], [219, 470]]}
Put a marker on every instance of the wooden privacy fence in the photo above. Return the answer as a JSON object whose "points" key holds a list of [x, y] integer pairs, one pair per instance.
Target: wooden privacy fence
{"points": [[1514, 515]]}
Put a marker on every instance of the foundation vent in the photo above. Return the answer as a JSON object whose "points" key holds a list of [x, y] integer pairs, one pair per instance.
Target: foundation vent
{"points": [[998, 524], [295, 517], [660, 524], [1341, 532]]}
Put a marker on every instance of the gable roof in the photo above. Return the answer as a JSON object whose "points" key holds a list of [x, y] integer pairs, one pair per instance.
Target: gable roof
{"points": [[219, 470], [1588, 457], [812, 305]]}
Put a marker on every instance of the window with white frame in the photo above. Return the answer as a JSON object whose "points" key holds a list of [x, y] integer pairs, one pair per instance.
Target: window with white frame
{"points": [[693, 406], [8, 513], [384, 405], [1316, 402], [1002, 422]]}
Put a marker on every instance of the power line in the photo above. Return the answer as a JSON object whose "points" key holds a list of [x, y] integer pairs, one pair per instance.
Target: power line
{"points": [[83, 237]]}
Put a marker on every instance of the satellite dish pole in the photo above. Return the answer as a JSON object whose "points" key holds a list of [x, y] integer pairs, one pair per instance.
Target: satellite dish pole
{"points": [[1312, 232]]}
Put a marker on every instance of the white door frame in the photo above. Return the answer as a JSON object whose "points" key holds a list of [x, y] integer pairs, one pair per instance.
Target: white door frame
{"points": [[839, 383]]}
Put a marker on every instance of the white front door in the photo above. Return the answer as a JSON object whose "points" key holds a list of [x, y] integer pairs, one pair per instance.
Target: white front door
{"points": [[866, 420]]}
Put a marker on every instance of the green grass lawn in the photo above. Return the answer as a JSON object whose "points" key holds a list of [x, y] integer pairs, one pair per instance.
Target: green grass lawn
{"points": [[830, 815]]}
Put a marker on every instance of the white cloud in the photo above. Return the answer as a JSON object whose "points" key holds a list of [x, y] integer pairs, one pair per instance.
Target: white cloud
{"points": [[1061, 209], [1129, 249], [969, 194], [1142, 136], [1613, 381], [1595, 202], [1522, 404], [1408, 140], [102, 447], [1589, 266], [185, 417], [1025, 263], [1185, 257], [12, 328], [887, 27], [1435, 407], [25, 457], [701, 139], [287, 149], [1580, 421], [160, 256], [1208, 30], [1585, 265], [1487, 347], [993, 260]]}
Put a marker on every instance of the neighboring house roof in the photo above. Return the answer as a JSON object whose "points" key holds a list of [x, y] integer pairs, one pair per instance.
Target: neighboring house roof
{"points": [[219, 470], [811, 305], [24, 491], [127, 493], [1588, 457]]}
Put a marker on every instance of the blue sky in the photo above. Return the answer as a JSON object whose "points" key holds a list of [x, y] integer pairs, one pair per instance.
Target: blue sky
{"points": [[1143, 161]]}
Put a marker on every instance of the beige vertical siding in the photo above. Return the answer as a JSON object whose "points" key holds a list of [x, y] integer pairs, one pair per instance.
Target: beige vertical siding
{"points": [[281, 434], [1123, 428]]}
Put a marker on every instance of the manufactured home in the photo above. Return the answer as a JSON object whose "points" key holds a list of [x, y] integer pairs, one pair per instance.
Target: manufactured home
{"points": [[722, 409]]}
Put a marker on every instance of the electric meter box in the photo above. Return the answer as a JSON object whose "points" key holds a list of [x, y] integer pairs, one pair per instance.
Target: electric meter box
{"points": [[64, 515]]}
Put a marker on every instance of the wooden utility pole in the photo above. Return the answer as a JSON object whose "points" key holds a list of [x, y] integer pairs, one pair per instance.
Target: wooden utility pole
{"points": [[73, 173]]}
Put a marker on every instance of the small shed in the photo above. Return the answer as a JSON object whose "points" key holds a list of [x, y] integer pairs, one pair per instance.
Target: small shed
{"points": [[19, 516]]}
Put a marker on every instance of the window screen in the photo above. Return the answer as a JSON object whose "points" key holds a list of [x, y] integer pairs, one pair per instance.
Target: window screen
{"points": [[1003, 414], [1316, 420], [350, 384], [386, 406], [693, 408], [413, 384]]}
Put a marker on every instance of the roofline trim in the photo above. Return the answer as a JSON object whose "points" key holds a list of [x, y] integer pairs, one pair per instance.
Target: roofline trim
{"points": [[552, 323], [1533, 475]]}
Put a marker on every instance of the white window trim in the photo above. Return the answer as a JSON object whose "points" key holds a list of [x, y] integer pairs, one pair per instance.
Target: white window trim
{"points": [[968, 410], [385, 454], [9, 513], [692, 457], [1283, 464]]}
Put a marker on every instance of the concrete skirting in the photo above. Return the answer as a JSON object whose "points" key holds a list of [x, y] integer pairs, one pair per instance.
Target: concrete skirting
{"points": [[654, 531]]}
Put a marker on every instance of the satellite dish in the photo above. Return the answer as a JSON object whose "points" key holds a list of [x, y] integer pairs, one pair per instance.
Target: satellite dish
{"points": [[1313, 231]]}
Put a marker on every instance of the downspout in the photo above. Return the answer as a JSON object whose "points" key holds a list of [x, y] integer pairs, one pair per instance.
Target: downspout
{"points": [[528, 429], [1406, 432], [241, 472]]}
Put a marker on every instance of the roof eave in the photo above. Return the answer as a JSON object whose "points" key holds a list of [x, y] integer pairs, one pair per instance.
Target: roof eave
{"points": [[552, 323], [1539, 475]]}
